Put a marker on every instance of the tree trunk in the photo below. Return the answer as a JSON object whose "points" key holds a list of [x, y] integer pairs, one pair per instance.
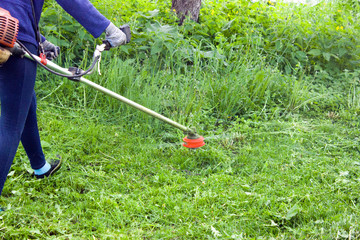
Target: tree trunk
{"points": [[185, 8]]}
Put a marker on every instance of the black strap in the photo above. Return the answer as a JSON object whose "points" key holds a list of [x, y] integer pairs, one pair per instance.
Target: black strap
{"points": [[36, 28]]}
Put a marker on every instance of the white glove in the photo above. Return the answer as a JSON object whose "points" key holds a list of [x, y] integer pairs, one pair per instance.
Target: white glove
{"points": [[115, 36]]}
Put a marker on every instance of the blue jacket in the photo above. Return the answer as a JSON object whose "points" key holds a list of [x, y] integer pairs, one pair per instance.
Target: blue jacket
{"points": [[82, 10]]}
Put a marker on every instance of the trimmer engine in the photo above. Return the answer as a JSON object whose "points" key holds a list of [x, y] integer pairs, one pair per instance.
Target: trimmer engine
{"points": [[9, 29]]}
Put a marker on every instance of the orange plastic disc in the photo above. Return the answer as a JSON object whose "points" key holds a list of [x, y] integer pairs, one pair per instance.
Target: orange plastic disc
{"points": [[193, 143]]}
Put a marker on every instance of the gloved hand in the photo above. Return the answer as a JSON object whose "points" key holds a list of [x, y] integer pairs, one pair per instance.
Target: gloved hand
{"points": [[51, 51], [115, 36]]}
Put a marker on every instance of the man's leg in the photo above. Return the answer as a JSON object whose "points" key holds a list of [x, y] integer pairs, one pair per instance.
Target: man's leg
{"points": [[30, 138], [17, 79]]}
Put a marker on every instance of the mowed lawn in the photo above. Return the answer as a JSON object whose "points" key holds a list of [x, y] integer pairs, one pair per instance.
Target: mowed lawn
{"points": [[290, 179]]}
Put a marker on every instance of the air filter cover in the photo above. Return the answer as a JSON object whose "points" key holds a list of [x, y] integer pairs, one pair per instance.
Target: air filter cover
{"points": [[9, 28]]}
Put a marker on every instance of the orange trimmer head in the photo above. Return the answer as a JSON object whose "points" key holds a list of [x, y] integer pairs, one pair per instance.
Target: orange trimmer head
{"points": [[193, 141]]}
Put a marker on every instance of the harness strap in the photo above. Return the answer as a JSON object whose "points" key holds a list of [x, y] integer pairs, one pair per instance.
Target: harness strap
{"points": [[36, 28]]}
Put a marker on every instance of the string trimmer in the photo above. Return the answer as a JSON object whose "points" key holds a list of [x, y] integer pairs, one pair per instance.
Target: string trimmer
{"points": [[10, 46]]}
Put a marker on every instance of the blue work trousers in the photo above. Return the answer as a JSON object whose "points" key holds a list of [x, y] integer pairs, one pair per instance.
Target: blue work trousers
{"points": [[18, 119]]}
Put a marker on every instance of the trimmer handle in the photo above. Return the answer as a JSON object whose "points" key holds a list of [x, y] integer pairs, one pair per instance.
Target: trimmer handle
{"points": [[125, 29]]}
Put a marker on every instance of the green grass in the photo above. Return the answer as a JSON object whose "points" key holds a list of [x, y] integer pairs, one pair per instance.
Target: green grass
{"points": [[281, 123], [295, 178]]}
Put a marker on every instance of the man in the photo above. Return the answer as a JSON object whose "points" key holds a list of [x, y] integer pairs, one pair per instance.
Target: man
{"points": [[18, 121]]}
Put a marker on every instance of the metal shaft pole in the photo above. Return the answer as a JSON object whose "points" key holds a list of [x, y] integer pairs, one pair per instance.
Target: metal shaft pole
{"points": [[133, 104]]}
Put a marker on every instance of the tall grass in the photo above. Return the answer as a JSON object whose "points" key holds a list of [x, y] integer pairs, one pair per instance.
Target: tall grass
{"points": [[190, 95]]}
